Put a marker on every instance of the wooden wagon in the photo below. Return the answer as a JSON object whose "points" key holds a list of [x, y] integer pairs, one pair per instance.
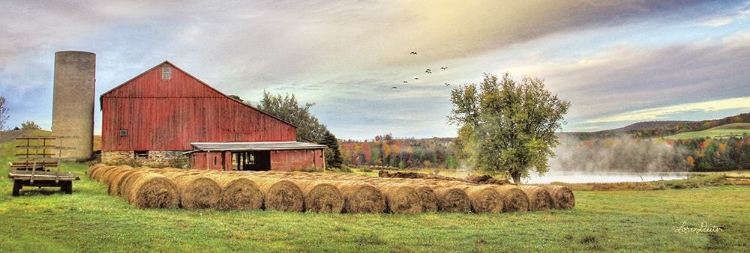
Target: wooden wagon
{"points": [[37, 166]]}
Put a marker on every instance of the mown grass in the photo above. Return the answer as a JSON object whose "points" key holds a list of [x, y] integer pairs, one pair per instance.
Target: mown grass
{"points": [[735, 129], [91, 221]]}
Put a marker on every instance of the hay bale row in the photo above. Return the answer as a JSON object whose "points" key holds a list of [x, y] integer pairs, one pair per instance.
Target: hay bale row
{"points": [[319, 192]]}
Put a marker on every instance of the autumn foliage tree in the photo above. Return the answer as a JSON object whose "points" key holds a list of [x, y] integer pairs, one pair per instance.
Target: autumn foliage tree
{"points": [[512, 124]]}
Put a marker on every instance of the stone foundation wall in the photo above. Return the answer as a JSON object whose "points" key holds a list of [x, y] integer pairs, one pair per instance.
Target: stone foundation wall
{"points": [[155, 159], [117, 157]]}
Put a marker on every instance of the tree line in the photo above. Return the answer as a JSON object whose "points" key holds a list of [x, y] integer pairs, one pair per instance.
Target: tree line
{"points": [[716, 154], [628, 154], [384, 150]]}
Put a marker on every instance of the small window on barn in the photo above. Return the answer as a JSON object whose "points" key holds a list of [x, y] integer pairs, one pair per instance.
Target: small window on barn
{"points": [[141, 153], [123, 132], [166, 73]]}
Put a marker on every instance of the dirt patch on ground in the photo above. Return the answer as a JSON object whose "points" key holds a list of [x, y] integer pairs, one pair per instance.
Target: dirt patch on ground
{"points": [[483, 179]]}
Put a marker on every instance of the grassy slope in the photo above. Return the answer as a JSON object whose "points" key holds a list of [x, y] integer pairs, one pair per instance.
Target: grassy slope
{"points": [[742, 126], [720, 131], [91, 221]]}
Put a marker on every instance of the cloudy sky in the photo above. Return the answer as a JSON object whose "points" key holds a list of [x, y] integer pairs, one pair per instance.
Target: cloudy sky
{"points": [[617, 62]]}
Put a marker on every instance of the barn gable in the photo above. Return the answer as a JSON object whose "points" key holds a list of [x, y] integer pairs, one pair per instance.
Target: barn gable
{"points": [[165, 108], [173, 83]]}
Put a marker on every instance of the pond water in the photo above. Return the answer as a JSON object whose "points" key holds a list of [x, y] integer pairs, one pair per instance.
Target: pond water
{"points": [[601, 177]]}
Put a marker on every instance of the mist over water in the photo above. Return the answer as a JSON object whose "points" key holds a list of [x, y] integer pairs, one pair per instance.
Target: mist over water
{"points": [[617, 159]]}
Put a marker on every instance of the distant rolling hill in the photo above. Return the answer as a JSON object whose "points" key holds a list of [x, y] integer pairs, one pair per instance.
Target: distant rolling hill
{"points": [[736, 125], [723, 131], [13, 134]]}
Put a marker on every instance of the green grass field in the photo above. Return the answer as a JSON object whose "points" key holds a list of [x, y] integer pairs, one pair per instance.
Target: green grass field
{"points": [[91, 221], [734, 129]]}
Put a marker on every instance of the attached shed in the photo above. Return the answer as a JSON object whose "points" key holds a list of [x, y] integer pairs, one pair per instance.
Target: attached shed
{"points": [[257, 155], [157, 115]]}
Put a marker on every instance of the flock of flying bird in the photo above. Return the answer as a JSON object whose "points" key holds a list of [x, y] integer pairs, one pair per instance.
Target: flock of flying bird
{"points": [[428, 71]]}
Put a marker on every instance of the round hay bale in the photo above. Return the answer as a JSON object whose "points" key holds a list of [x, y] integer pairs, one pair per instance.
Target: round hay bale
{"points": [[321, 197], [126, 185], [563, 196], [108, 175], [116, 181], [238, 193], [514, 199], [484, 199], [429, 199], [152, 190], [539, 199], [94, 168], [453, 199], [197, 192], [174, 175], [98, 171], [361, 197], [281, 195], [401, 198]]}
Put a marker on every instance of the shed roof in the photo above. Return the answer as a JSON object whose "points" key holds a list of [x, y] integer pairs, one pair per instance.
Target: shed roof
{"points": [[254, 146]]}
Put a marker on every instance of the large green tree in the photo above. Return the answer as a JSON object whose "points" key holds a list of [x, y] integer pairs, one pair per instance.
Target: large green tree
{"points": [[508, 126], [287, 108]]}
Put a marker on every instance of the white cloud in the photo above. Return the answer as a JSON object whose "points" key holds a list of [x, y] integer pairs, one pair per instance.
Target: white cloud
{"points": [[661, 113], [734, 15]]}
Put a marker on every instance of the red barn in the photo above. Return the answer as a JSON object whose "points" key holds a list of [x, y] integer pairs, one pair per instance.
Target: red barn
{"points": [[165, 115]]}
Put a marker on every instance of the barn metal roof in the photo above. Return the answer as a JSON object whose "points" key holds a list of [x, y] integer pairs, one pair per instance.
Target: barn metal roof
{"points": [[254, 146]]}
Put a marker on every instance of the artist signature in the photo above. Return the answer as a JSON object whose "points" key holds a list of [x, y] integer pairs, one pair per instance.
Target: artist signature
{"points": [[704, 228]]}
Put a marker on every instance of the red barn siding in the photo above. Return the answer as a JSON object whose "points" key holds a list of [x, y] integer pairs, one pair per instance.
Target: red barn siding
{"points": [[211, 161], [281, 160], [296, 159], [170, 114]]}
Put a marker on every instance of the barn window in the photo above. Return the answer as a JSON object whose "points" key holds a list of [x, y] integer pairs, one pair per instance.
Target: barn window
{"points": [[141, 153], [123, 132], [166, 73]]}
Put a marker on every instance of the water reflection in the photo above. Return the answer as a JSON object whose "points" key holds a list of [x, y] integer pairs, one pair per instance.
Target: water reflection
{"points": [[601, 177]]}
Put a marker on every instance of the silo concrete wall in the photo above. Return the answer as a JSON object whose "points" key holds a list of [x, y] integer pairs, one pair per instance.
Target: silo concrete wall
{"points": [[73, 102]]}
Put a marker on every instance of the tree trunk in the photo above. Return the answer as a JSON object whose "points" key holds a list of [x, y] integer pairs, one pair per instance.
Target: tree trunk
{"points": [[516, 177]]}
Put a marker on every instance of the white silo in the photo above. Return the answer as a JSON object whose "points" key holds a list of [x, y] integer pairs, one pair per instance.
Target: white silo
{"points": [[73, 102]]}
